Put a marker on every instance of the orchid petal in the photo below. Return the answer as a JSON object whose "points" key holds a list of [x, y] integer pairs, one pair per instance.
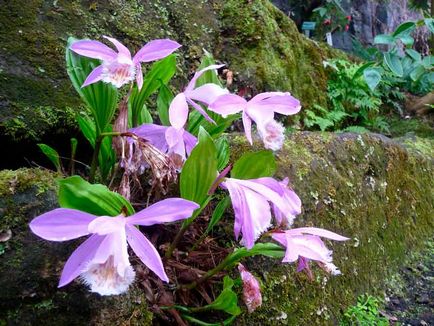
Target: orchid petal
{"points": [[175, 140], [155, 134], [156, 49], [228, 104], [252, 212], [105, 224], [146, 251], [93, 49], [95, 76], [207, 93], [278, 102], [139, 76], [79, 259], [114, 244], [247, 124], [122, 49], [237, 204], [190, 142], [61, 224], [200, 110], [268, 193], [318, 232], [197, 75], [178, 111], [258, 220], [168, 210]]}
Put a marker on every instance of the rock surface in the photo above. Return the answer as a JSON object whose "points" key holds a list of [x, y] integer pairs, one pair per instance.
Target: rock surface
{"points": [[367, 187], [257, 42]]}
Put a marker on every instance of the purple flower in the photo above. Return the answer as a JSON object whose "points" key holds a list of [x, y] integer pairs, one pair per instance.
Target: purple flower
{"points": [[260, 109], [251, 289], [207, 94], [102, 260], [173, 140], [250, 200], [305, 244], [167, 139], [120, 68]]}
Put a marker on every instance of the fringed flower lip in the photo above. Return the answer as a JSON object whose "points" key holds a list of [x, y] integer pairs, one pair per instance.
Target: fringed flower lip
{"points": [[120, 68], [102, 260]]}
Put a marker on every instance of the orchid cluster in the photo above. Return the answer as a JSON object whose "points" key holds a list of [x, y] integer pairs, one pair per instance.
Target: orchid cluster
{"points": [[264, 207]]}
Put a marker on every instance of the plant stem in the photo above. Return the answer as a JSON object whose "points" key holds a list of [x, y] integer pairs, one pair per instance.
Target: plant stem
{"points": [[96, 150], [175, 242], [225, 263], [184, 228]]}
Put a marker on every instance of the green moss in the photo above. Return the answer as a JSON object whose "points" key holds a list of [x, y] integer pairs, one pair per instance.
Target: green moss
{"points": [[18, 181]]}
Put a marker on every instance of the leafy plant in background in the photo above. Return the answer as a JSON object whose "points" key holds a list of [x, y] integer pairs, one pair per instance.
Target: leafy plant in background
{"points": [[410, 69], [354, 106], [144, 161], [365, 312]]}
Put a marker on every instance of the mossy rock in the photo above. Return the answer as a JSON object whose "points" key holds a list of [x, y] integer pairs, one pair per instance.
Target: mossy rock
{"points": [[258, 42], [30, 267]]}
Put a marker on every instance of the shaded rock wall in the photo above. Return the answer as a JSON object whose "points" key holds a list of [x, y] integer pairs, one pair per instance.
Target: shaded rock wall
{"points": [[258, 42], [367, 187]]}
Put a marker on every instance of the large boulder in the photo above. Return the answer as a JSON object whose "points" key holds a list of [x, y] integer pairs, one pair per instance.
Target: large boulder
{"points": [[258, 43], [375, 190]]}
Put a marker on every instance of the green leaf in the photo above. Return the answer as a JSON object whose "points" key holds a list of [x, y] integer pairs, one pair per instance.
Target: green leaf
{"points": [[394, 63], [414, 54], [268, 249], [96, 199], [200, 170], [429, 22], [359, 72], [417, 73], [406, 39], [222, 146], [218, 212], [404, 28], [372, 77], [74, 143], [209, 76], [227, 301], [384, 39], [161, 72], [254, 165], [52, 155], [145, 116], [428, 61], [164, 99], [101, 98]]}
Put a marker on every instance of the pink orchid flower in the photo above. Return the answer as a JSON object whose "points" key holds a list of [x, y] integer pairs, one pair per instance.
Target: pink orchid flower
{"points": [[251, 289], [305, 244], [168, 139], [250, 201], [102, 260], [119, 68], [260, 109], [207, 94]]}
